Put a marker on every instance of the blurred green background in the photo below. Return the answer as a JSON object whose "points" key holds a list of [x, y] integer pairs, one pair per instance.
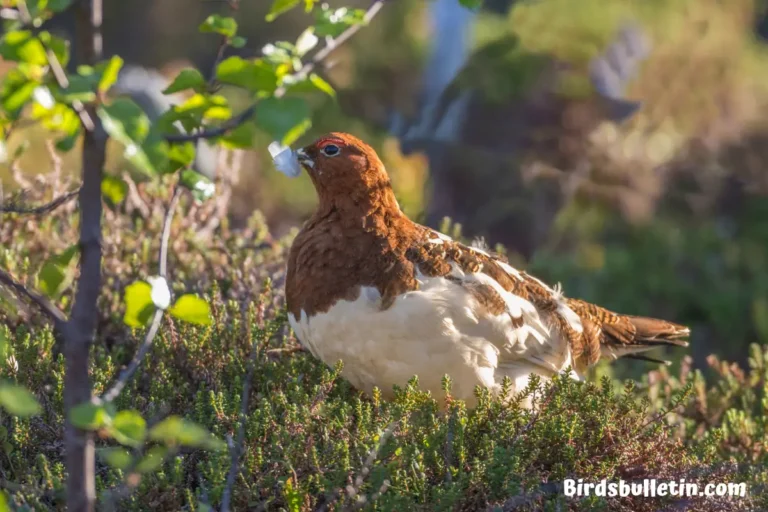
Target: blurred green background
{"points": [[662, 212]]}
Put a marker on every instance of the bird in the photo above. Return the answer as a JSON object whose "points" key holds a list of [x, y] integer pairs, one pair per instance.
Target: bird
{"points": [[392, 299]]}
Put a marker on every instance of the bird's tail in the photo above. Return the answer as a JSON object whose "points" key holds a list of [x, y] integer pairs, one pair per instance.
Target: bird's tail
{"points": [[649, 333], [610, 335]]}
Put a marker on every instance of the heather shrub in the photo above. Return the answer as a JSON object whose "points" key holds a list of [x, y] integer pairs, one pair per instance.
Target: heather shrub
{"points": [[311, 441]]}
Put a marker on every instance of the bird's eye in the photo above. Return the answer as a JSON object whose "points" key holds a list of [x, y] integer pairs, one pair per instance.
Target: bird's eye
{"points": [[331, 150]]}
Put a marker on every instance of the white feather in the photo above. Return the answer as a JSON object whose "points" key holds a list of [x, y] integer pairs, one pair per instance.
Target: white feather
{"points": [[436, 330]]}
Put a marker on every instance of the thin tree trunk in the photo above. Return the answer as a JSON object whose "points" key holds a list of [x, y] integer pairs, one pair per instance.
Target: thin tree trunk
{"points": [[81, 328]]}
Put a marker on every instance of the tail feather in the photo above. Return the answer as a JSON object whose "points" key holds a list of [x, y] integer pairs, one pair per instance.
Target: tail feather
{"points": [[640, 334], [651, 330], [639, 357], [624, 335]]}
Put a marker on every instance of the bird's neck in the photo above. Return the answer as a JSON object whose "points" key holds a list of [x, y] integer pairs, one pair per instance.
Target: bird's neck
{"points": [[364, 206]]}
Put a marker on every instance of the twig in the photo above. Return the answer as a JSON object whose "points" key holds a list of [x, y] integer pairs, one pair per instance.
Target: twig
{"points": [[354, 490], [448, 454], [536, 412], [318, 58], [39, 210], [323, 54], [157, 318], [123, 490], [28, 489], [166, 237], [44, 304], [238, 446], [225, 128], [234, 5], [79, 331], [9, 14]]}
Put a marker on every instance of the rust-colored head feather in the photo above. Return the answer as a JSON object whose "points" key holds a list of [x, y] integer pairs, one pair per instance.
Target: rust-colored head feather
{"points": [[344, 168]]}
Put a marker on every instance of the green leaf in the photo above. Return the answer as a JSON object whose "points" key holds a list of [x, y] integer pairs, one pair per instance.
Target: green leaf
{"points": [[3, 343], [109, 74], [471, 4], [59, 5], [254, 75], [239, 138], [175, 430], [279, 7], [333, 22], [23, 46], [114, 189], [81, 88], [192, 309], [155, 153], [58, 45], [61, 118], [182, 155], [282, 55], [200, 186], [117, 457], [189, 78], [90, 416], [152, 460], [127, 123], [200, 107], [18, 401], [129, 428], [313, 83], [4, 507], [16, 91], [66, 144], [55, 272], [294, 498], [219, 25], [50, 278], [90, 79], [322, 85], [284, 119], [65, 258], [138, 304], [238, 42], [37, 10]]}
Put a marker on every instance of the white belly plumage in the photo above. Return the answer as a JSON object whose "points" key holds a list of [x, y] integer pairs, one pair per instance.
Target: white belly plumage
{"points": [[436, 330]]}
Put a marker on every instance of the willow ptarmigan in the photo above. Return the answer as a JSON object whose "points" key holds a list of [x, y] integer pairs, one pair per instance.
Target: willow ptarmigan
{"points": [[393, 299]]}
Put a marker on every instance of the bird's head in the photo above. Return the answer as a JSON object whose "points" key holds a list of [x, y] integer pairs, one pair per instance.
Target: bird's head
{"points": [[342, 166]]}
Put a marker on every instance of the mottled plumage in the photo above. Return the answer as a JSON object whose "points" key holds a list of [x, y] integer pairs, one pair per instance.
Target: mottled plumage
{"points": [[393, 299]]}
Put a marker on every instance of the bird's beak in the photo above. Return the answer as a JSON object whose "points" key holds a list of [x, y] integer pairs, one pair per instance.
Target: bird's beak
{"points": [[304, 158]]}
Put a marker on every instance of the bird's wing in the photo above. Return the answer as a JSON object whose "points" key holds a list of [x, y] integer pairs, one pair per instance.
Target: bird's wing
{"points": [[523, 317], [528, 319]]}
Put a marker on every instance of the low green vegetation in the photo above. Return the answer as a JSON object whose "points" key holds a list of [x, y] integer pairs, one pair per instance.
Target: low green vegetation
{"points": [[310, 438]]}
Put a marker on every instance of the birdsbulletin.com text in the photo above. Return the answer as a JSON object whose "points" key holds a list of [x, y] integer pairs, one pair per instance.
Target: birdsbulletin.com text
{"points": [[651, 488]]}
